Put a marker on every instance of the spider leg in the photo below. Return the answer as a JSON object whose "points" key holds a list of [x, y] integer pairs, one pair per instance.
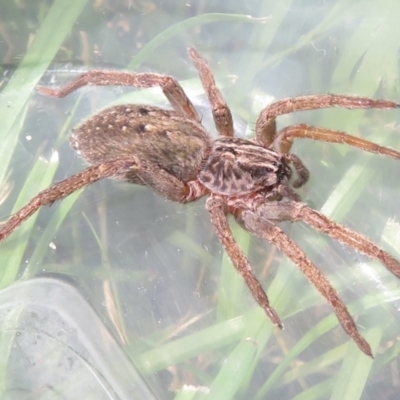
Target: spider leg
{"points": [[63, 189], [151, 175], [168, 185], [266, 122], [346, 236], [171, 88], [295, 211], [267, 230], [221, 113], [219, 219], [284, 139]]}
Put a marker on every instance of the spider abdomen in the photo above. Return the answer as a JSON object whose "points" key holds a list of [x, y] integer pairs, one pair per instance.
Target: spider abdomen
{"points": [[174, 143], [238, 166]]}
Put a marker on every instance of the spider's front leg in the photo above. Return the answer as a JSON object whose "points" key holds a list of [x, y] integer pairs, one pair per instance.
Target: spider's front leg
{"points": [[284, 139], [266, 121], [218, 214], [267, 230]]}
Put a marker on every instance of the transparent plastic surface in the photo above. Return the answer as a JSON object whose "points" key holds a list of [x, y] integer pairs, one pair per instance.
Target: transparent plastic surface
{"points": [[55, 346], [154, 270]]}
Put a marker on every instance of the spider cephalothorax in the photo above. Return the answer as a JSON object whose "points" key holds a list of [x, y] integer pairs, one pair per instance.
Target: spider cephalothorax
{"points": [[239, 167], [171, 152]]}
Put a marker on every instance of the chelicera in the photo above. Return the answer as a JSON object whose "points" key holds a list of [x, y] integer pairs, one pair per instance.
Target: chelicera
{"points": [[253, 180]]}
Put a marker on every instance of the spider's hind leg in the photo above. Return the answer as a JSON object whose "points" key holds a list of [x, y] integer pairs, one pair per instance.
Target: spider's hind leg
{"points": [[171, 88], [150, 174], [64, 188]]}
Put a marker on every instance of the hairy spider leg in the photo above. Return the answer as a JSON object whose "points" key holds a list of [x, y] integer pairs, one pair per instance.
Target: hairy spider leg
{"points": [[268, 231], [172, 89], [283, 140], [218, 214], [260, 221], [221, 112], [296, 211], [161, 181], [63, 189], [266, 121]]}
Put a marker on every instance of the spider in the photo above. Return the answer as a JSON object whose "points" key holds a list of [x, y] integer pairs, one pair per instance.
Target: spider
{"points": [[255, 181]]}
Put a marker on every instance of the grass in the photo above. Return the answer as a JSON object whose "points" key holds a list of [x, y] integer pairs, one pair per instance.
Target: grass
{"points": [[231, 350]]}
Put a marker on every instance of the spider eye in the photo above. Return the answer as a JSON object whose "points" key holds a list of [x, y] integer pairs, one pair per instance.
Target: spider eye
{"points": [[261, 172], [265, 170]]}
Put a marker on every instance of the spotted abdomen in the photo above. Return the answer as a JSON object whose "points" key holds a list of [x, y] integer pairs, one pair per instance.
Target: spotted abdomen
{"points": [[165, 138]]}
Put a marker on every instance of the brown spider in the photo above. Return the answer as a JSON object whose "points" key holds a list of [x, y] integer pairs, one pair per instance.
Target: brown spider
{"points": [[171, 152]]}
